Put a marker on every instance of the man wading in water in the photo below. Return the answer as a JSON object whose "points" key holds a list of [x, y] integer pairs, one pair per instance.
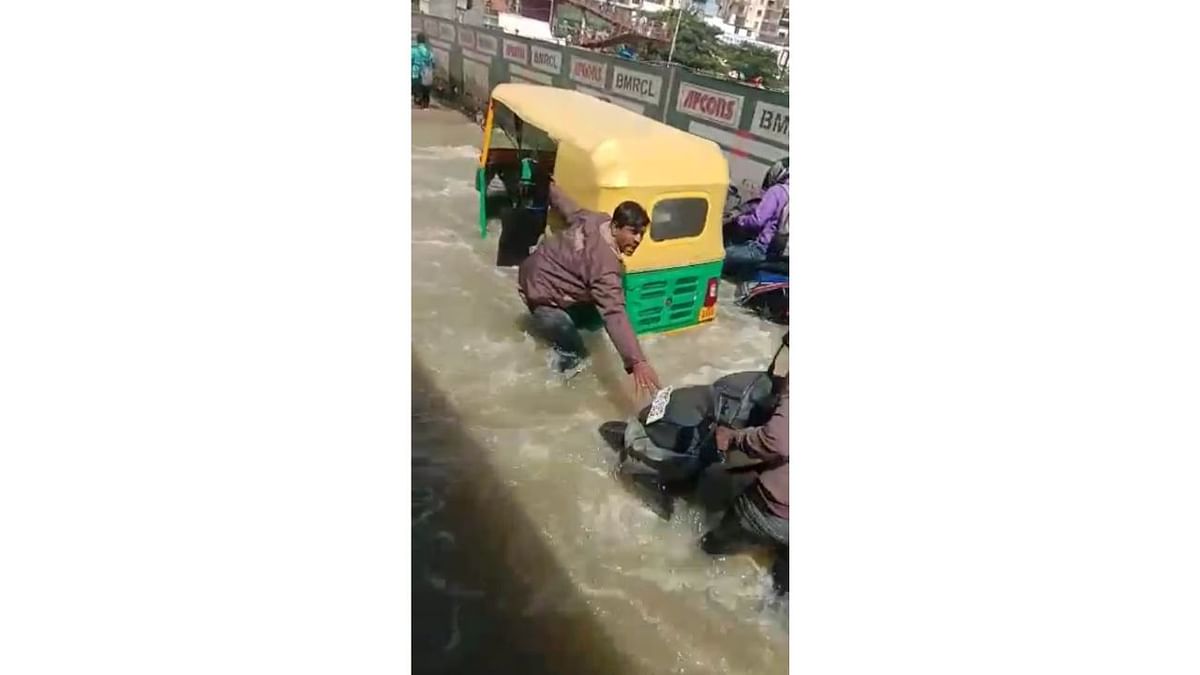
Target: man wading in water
{"points": [[578, 268]]}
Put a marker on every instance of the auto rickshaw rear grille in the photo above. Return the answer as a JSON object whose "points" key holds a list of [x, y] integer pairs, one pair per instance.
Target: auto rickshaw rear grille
{"points": [[680, 309], [666, 300], [654, 290]]}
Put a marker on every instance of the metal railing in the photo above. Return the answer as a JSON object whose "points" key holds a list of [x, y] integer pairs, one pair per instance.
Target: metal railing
{"points": [[624, 23]]}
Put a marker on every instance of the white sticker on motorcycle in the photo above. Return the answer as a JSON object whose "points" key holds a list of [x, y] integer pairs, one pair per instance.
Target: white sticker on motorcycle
{"points": [[658, 407]]}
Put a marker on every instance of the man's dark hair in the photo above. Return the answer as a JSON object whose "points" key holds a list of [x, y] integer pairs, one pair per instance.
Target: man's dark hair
{"points": [[420, 38], [630, 214]]}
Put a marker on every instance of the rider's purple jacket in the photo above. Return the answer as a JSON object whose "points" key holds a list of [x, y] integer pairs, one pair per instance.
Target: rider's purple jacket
{"points": [[764, 219]]}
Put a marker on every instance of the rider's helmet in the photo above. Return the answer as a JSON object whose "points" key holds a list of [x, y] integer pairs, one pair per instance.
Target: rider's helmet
{"points": [[776, 174]]}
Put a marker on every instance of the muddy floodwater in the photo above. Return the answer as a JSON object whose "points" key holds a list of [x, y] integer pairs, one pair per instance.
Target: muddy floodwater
{"points": [[529, 557]]}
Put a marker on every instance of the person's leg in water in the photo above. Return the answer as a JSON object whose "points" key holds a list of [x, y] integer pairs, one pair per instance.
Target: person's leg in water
{"points": [[729, 536], [779, 571], [555, 326], [746, 525], [585, 316]]}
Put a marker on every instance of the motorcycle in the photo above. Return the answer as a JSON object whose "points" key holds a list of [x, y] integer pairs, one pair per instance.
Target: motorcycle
{"points": [[670, 445], [668, 451]]}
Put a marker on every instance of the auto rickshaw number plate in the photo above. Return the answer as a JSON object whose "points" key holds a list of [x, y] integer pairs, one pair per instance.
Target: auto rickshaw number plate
{"points": [[658, 407]]}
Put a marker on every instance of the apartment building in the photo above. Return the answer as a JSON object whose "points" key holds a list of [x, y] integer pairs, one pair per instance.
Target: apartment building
{"points": [[759, 19]]}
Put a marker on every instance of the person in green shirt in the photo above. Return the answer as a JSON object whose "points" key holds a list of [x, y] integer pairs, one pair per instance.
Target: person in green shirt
{"points": [[422, 71]]}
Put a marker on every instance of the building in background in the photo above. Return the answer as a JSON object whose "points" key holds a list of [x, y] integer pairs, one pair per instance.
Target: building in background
{"points": [[542, 9], [704, 7], [730, 34], [764, 23], [443, 8], [758, 19], [526, 27]]}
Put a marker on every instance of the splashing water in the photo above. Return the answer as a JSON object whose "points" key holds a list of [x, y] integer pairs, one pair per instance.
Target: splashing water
{"points": [[661, 602]]}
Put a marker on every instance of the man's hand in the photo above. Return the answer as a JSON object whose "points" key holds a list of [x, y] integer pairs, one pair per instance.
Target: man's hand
{"points": [[724, 436], [645, 379]]}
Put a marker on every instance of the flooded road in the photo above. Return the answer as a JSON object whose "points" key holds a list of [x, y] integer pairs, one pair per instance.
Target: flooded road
{"points": [[528, 555]]}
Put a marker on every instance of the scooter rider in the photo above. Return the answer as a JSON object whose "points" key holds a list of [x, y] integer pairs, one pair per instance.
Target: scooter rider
{"points": [[759, 516]]}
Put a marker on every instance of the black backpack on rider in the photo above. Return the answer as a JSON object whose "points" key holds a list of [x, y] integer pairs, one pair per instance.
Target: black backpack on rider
{"points": [[778, 250]]}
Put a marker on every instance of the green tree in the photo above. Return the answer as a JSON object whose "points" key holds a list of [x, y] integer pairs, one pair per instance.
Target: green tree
{"points": [[699, 47], [696, 46], [751, 61]]}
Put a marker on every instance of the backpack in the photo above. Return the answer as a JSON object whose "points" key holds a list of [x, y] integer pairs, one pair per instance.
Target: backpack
{"points": [[779, 246], [423, 61]]}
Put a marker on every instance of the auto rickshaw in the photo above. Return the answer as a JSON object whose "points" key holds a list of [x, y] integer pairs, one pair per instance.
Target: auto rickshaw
{"points": [[601, 155]]}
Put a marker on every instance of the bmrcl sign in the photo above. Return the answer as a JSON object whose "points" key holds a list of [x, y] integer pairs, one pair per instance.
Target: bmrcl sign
{"points": [[637, 85], [547, 60], [771, 122]]}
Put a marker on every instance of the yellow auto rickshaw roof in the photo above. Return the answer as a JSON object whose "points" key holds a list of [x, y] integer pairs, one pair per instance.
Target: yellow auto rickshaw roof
{"points": [[625, 149]]}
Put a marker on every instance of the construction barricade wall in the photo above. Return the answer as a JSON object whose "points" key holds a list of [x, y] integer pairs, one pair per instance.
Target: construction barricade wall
{"points": [[750, 124]]}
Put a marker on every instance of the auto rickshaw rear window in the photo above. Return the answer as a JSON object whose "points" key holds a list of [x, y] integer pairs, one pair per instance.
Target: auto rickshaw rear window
{"points": [[519, 133], [678, 218]]}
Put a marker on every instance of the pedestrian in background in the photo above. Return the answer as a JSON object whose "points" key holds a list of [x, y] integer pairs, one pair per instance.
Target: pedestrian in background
{"points": [[422, 71]]}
